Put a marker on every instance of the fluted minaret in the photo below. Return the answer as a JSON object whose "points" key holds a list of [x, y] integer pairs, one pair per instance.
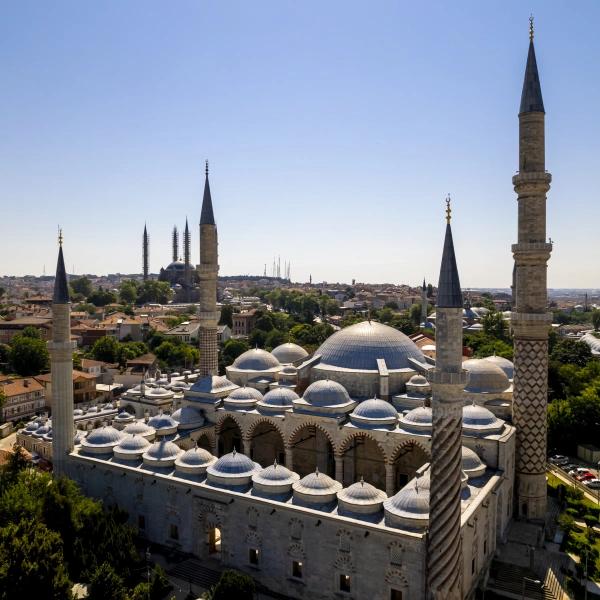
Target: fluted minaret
{"points": [[530, 319], [61, 364], [145, 253], [208, 270], [423, 304], [175, 243], [187, 261], [444, 553]]}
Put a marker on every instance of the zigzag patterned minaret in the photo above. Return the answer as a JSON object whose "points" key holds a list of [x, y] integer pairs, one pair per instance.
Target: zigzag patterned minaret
{"points": [[145, 253], [423, 304], [175, 243], [207, 271], [61, 364], [530, 319], [444, 552], [187, 262]]}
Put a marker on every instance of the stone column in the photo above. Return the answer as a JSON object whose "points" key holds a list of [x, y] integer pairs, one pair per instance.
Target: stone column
{"points": [[289, 457], [389, 479], [339, 468], [247, 446]]}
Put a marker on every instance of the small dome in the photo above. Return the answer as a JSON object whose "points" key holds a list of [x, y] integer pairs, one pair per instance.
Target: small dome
{"points": [[244, 397], [325, 392], [213, 384], [289, 353], [131, 446], [274, 479], [289, 370], [360, 345], [140, 428], [195, 461], [77, 412], [420, 418], [374, 412], [478, 419], [188, 417], [317, 484], [124, 417], [163, 424], [485, 377], [48, 435], [102, 439], [472, 465], [278, 399], [418, 380], [361, 497], [506, 365], [255, 360], [176, 265], [32, 426], [158, 392], [410, 506], [234, 468], [161, 454]]}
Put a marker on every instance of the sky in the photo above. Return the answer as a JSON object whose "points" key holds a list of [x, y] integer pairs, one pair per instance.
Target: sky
{"points": [[334, 131]]}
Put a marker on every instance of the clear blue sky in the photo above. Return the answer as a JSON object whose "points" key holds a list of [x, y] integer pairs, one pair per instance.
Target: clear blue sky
{"points": [[334, 131]]}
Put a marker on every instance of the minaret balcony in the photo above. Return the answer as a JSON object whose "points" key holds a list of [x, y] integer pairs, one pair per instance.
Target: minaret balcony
{"points": [[531, 181], [446, 378]]}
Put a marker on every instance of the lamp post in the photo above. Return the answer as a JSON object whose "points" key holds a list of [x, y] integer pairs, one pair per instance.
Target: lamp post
{"points": [[525, 580]]}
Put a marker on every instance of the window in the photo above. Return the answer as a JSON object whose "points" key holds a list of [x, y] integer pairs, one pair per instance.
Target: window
{"points": [[345, 583], [485, 547], [174, 532], [214, 541], [473, 567], [141, 522], [297, 569], [395, 595], [253, 556]]}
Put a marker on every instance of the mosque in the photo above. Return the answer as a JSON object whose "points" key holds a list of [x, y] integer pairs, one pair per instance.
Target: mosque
{"points": [[365, 470]]}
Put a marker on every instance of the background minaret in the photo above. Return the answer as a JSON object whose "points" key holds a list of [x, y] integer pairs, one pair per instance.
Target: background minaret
{"points": [[423, 304], [208, 270], [175, 242], [145, 253], [447, 379], [530, 319], [187, 262], [61, 364]]}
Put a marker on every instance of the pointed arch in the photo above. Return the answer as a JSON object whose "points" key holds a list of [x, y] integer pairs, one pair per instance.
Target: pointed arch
{"points": [[345, 443], [311, 423]]}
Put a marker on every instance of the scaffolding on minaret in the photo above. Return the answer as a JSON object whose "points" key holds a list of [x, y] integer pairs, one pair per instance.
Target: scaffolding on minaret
{"points": [[175, 242], [187, 262], [145, 253]]}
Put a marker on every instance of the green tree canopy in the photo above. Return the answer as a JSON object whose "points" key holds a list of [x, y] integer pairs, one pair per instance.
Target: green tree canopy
{"points": [[226, 316], [128, 291], [101, 297], [82, 286], [596, 319], [154, 291], [106, 584], [28, 356], [106, 349], [568, 351], [233, 584]]}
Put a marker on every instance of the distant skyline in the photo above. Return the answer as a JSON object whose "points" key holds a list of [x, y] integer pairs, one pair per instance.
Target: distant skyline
{"points": [[333, 130]]}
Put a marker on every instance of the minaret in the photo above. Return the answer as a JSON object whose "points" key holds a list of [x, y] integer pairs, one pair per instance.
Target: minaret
{"points": [[530, 319], [424, 304], [61, 364], [208, 270], [187, 262], [175, 244], [145, 253], [447, 379]]}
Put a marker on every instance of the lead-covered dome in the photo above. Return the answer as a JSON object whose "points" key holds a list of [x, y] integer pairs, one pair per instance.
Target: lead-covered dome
{"points": [[131, 447], [326, 393], [289, 353], [361, 497], [374, 413], [410, 506], [316, 488], [485, 377], [418, 419], [163, 424], [256, 360], [472, 465], [478, 420], [506, 365], [243, 398], [234, 468], [194, 461], [161, 454], [101, 440], [277, 400], [140, 428], [188, 417], [360, 345], [274, 479]]}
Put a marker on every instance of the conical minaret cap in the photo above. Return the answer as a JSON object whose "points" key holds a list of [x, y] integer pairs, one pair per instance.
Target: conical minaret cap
{"points": [[61, 287], [449, 294], [206, 216], [531, 96]]}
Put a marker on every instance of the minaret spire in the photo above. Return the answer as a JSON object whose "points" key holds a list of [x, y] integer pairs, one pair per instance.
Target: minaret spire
{"points": [[145, 253], [207, 216], [187, 261], [61, 363], [530, 319], [447, 379], [175, 242]]}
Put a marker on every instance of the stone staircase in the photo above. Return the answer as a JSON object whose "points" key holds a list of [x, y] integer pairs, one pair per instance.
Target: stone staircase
{"points": [[512, 581], [194, 571]]}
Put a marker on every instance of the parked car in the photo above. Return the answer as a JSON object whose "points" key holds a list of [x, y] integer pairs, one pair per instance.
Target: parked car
{"points": [[557, 458], [593, 483], [569, 467], [585, 477]]}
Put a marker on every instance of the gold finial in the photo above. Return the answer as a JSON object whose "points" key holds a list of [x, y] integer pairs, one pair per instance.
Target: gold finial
{"points": [[206, 167], [531, 28], [448, 210], [60, 237]]}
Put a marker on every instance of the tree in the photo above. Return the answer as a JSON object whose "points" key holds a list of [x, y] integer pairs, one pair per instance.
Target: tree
{"points": [[429, 290], [154, 291], [226, 316], [596, 319], [4, 353], [32, 332], [393, 305], [105, 584], [101, 297], [28, 356], [569, 351], [106, 349], [232, 349], [414, 313], [82, 286], [233, 584], [128, 291], [493, 325], [32, 562]]}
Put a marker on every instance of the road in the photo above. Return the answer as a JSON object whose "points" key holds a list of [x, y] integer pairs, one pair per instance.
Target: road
{"points": [[589, 494]]}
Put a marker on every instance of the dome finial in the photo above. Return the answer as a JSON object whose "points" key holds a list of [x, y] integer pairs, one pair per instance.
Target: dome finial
{"points": [[417, 475], [275, 464], [206, 167], [317, 471], [60, 237], [234, 451], [448, 210], [362, 481], [531, 28]]}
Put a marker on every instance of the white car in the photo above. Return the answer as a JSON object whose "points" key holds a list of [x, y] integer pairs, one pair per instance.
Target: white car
{"points": [[593, 483]]}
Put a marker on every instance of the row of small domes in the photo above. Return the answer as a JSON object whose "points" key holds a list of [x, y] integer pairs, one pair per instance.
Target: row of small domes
{"points": [[257, 359]]}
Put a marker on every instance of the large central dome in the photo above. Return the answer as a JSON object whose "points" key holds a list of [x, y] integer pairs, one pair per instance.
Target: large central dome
{"points": [[360, 345]]}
